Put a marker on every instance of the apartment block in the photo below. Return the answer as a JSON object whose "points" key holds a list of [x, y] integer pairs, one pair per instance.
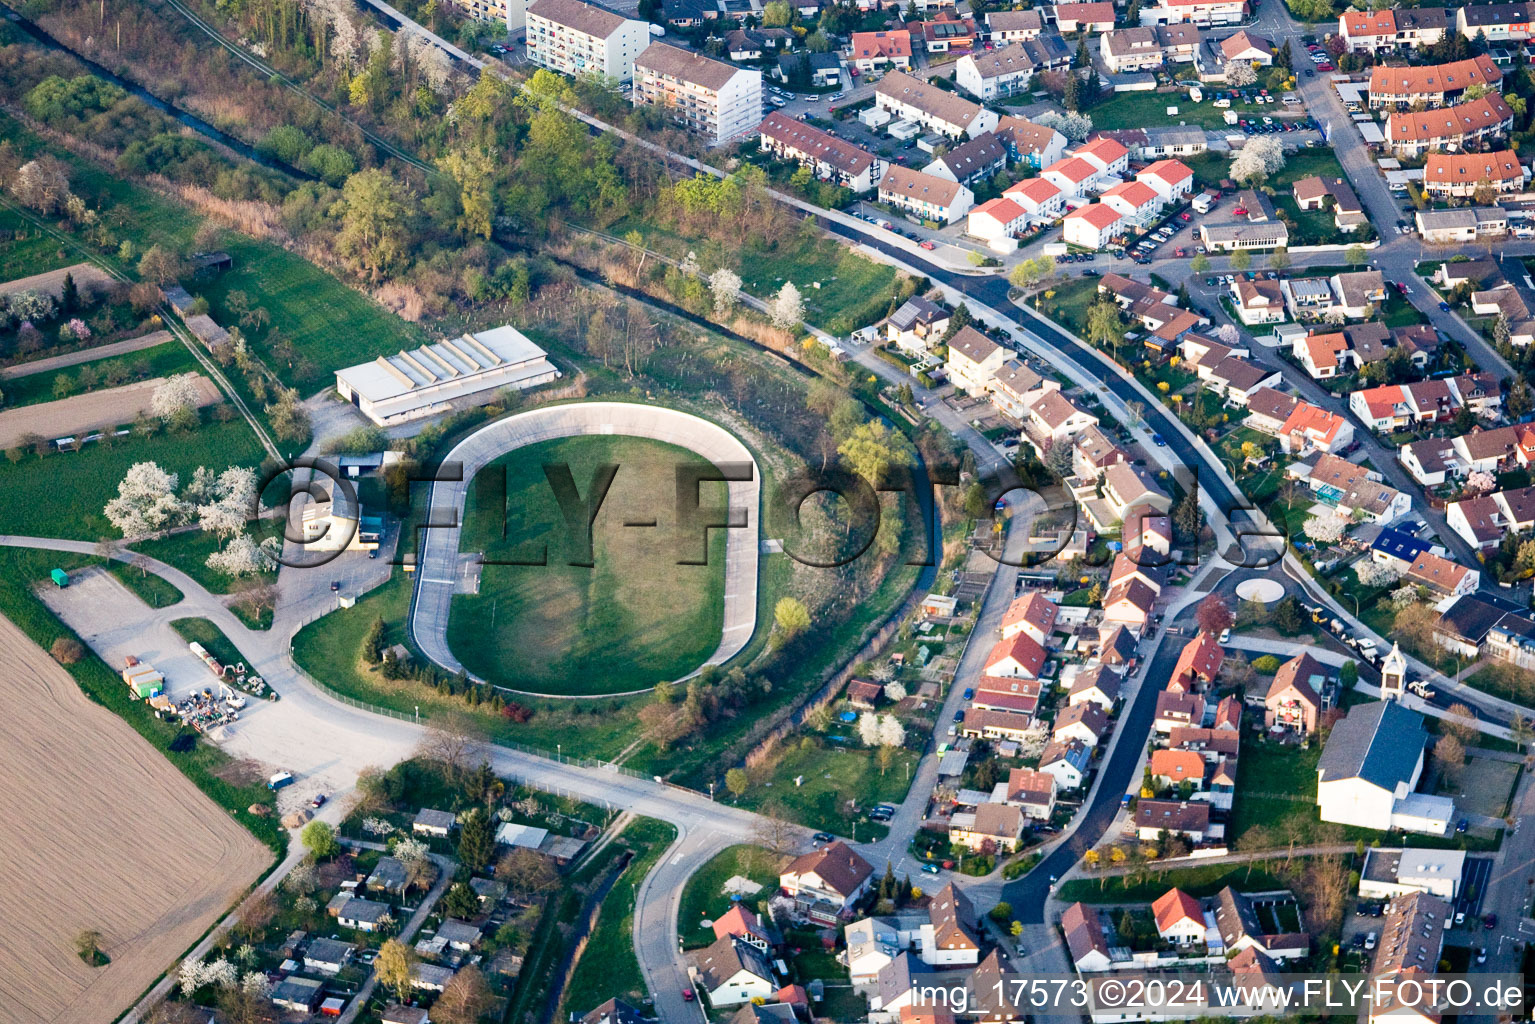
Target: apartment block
{"points": [[716, 100], [576, 38]]}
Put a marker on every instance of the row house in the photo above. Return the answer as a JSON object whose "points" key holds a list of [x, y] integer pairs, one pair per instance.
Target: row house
{"points": [[1136, 202], [707, 97], [829, 157], [1075, 177], [871, 51], [1462, 126], [1352, 489], [914, 100], [1030, 144], [1041, 201], [994, 74], [1205, 13], [1434, 85], [1496, 22], [576, 38], [999, 218], [1172, 180], [1015, 26], [1398, 406], [1462, 175], [1405, 28], [1129, 50], [1093, 226], [970, 161], [946, 32], [1097, 16], [1147, 47], [929, 197]]}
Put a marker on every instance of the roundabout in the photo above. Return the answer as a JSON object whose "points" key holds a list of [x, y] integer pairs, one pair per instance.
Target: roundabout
{"points": [[1260, 589], [507, 592]]}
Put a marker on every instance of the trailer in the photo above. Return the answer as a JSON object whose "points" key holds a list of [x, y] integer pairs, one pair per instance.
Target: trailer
{"points": [[60, 577], [279, 780]]}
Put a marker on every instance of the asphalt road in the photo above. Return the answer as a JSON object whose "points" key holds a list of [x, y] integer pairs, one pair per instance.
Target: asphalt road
{"points": [[1029, 893]]}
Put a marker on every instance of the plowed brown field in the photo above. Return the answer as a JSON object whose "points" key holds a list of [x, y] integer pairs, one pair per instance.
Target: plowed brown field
{"points": [[97, 830]]}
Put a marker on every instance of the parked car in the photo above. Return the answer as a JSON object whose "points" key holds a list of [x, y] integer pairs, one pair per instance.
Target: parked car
{"points": [[1444, 307], [931, 869], [1481, 955], [824, 837], [959, 716], [969, 693], [318, 801], [1158, 440], [926, 244], [1489, 921], [1369, 941]]}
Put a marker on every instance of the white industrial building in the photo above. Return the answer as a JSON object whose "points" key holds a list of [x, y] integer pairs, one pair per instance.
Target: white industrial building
{"points": [[452, 374]]}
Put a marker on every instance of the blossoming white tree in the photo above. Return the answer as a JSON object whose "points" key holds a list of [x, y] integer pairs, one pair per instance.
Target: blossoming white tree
{"points": [[146, 501], [175, 394], [725, 284], [787, 309], [1328, 527]]}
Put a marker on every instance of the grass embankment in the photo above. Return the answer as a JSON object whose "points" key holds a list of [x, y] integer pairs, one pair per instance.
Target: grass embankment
{"points": [[608, 966]]}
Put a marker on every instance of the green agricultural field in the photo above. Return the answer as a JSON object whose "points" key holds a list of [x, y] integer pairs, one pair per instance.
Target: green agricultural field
{"points": [[34, 254], [160, 361], [634, 619], [62, 495]]}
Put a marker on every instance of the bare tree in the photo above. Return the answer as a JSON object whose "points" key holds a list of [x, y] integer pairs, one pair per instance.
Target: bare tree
{"points": [[527, 873], [454, 740], [465, 1000], [773, 833], [1323, 887], [1460, 723], [255, 914]]}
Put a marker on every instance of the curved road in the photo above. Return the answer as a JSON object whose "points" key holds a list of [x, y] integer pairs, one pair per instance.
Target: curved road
{"points": [[439, 573]]}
